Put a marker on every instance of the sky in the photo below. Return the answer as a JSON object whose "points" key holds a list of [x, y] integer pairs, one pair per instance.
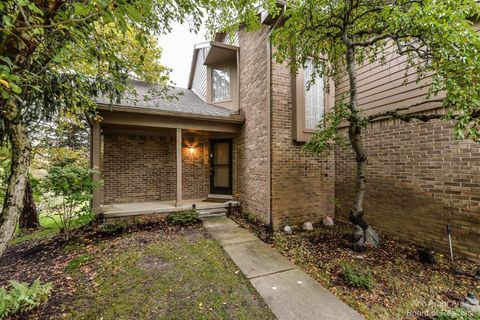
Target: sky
{"points": [[177, 52]]}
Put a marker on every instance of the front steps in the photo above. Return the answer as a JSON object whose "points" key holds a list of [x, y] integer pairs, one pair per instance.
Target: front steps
{"points": [[217, 211]]}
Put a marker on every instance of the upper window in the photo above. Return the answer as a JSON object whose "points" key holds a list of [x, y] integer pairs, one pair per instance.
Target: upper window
{"points": [[314, 97], [221, 90]]}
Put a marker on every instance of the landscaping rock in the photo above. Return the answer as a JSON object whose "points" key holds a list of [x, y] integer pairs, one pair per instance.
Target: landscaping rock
{"points": [[287, 230], [471, 303], [471, 299], [365, 238], [328, 221], [477, 275], [307, 226], [371, 237]]}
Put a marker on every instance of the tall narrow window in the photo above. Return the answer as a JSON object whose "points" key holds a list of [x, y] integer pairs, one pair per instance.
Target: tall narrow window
{"points": [[314, 97], [221, 84]]}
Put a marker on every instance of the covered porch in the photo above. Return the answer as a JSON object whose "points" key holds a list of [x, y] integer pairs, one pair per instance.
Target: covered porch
{"points": [[152, 161], [205, 207]]}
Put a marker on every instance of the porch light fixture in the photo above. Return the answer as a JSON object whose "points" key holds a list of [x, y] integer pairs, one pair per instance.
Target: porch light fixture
{"points": [[191, 149]]}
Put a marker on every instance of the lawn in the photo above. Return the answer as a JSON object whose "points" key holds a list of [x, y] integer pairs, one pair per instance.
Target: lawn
{"points": [[146, 269], [401, 286]]}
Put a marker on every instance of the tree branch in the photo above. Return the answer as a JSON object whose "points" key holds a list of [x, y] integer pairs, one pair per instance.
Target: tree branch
{"points": [[396, 112]]}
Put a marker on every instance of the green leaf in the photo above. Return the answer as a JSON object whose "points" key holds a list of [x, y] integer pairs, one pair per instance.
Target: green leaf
{"points": [[133, 13], [80, 9], [16, 89]]}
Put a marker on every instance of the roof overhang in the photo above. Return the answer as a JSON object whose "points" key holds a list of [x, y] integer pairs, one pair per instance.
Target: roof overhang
{"points": [[220, 52], [145, 117]]}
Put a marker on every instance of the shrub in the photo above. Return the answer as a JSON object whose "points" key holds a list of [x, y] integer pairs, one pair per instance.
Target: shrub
{"points": [[184, 218], [250, 217], [358, 278], [70, 188], [21, 297]]}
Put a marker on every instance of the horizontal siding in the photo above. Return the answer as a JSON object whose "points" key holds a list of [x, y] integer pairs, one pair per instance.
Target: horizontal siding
{"points": [[232, 40], [388, 85], [199, 84]]}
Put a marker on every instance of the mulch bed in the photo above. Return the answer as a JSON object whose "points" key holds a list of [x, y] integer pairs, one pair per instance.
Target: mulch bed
{"points": [[394, 264], [47, 258]]}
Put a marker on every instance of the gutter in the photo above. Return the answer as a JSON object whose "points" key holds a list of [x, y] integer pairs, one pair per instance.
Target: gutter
{"points": [[269, 107], [233, 118]]}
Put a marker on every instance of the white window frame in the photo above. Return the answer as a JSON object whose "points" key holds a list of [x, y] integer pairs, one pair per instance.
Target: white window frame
{"points": [[317, 91], [229, 72]]}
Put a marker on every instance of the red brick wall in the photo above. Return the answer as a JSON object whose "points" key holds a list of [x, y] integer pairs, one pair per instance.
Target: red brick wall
{"points": [[196, 170], [419, 179], [142, 168], [252, 143], [302, 183], [138, 168]]}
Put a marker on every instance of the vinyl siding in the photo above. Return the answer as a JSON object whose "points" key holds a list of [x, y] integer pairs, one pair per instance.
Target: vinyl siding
{"points": [[387, 86], [199, 84]]}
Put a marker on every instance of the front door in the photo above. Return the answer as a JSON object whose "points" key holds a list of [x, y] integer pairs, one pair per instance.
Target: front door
{"points": [[221, 166]]}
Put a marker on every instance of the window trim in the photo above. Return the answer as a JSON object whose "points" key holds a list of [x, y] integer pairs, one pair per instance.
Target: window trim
{"points": [[299, 130], [228, 67]]}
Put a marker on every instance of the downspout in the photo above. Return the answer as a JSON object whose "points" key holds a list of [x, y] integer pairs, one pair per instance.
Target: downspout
{"points": [[269, 113]]}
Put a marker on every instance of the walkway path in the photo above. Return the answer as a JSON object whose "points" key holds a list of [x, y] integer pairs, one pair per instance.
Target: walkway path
{"points": [[289, 292]]}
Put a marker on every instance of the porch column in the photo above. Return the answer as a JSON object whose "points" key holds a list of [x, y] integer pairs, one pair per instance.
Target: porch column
{"points": [[95, 153], [178, 202]]}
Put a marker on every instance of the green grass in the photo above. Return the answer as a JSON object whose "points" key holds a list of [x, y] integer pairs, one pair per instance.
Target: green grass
{"points": [[79, 261], [179, 277], [49, 228]]}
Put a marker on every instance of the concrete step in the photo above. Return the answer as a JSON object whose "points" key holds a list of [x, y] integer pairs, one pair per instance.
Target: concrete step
{"points": [[217, 212], [212, 215]]}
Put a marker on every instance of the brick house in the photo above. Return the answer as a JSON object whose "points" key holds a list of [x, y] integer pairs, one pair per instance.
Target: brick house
{"points": [[237, 133]]}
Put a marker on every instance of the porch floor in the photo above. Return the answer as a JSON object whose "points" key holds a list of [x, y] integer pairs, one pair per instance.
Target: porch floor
{"points": [[132, 209]]}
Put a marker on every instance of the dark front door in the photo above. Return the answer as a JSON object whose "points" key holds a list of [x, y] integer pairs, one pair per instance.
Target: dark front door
{"points": [[221, 166]]}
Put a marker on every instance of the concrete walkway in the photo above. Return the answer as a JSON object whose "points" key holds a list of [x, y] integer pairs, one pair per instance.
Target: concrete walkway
{"points": [[289, 292]]}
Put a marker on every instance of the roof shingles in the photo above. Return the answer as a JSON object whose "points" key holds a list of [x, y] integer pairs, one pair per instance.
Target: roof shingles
{"points": [[184, 101]]}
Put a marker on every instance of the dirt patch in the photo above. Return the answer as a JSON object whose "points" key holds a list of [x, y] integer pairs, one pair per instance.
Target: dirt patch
{"points": [[152, 263]]}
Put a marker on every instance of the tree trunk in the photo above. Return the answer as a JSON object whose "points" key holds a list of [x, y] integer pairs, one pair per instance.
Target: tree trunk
{"points": [[364, 234], [20, 144], [29, 215]]}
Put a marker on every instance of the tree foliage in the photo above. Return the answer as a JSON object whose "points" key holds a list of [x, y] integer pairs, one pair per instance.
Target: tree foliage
{"points": [[57, 56], [436, 38], [69, 189]]}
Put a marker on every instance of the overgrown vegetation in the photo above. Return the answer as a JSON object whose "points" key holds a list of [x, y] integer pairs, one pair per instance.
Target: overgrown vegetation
{"points": [[70, 188], [358, 278], [184, 218], [21, 297]]}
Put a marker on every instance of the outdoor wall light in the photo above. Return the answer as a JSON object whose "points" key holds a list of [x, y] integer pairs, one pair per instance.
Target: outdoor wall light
{"points": [[191, 149]]}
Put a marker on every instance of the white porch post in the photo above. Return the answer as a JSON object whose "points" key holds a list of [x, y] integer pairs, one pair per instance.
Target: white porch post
{"points": [[96, 141], [178, 203]]}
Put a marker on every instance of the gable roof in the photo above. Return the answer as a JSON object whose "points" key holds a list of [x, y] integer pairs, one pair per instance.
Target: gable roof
{"points": [[216, 51], [185, 101]]}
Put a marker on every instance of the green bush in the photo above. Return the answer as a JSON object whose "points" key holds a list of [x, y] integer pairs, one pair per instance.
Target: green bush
{"points": [[457, 314], [70, 188], [250, 217], [358, 278], [184, 218], [21, 297]]}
